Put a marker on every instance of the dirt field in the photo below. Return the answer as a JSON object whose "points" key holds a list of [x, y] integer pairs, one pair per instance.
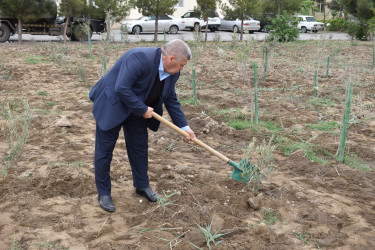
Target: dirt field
{"points": [[310, 200]]}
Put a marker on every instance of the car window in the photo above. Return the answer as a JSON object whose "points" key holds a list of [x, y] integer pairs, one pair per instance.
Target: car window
{"points": [[164, 18], [310, 19], [187, 15]]}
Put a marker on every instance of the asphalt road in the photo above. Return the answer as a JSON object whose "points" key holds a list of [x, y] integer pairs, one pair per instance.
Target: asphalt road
{"points": [[187, 35]]}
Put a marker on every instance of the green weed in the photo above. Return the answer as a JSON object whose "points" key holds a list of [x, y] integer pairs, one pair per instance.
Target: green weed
{"points": [[42, 93], [52, 245], [170, 148], [326, 126], [319, 102], [269, 217], [163, 202], [307, 239], [51, 103], [210, 238], [16, 126], [15, 244], [35, 59], [310, 150], [172, 242], [353, 161]]}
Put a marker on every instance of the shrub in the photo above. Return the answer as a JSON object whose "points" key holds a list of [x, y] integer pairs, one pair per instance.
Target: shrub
{"points": [[338, 25], [284, 28], [359, 30]]}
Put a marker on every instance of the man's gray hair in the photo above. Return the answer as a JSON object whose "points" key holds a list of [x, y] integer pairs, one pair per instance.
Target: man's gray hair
{"points": [[177, 48]]}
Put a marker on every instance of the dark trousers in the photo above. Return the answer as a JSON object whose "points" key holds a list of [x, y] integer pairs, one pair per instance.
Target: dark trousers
{"points": [[136, 140]]}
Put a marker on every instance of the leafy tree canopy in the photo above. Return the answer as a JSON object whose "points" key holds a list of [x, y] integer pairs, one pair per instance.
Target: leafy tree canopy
{"points": [[119, 9], [155, 7], [28, 10], [243, 9], [358, 8]]}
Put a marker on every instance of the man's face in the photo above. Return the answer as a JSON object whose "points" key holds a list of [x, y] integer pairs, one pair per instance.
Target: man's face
{"points": [[172, 66]]}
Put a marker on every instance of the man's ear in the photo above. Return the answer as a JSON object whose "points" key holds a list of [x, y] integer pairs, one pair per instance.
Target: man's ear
{"points": [[172, 58]]}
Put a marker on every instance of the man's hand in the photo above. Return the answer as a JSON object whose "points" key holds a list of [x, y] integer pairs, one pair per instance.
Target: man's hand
{"points": [[148, 115], [192, 135]]}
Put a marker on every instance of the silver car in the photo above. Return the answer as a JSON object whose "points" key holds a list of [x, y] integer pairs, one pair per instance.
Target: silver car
{"points": [[249, 25], [147, 24]]}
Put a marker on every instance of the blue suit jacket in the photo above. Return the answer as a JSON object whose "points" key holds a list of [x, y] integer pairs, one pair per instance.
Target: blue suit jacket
{"points": [[124, 89]]}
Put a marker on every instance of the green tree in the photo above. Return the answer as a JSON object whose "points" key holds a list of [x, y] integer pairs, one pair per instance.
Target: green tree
{"points": [[358, 8], [242, 9], [277, 6], [114, 10], [155, 8], [69, 8], [27, 11], [284, 28], [307, 6], [204, 8]]}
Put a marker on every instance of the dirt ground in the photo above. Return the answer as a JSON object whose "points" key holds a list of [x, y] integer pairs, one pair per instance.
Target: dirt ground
{"points": [[309, 201]]}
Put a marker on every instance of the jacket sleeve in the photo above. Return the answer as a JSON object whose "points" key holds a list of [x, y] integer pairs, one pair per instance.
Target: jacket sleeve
{"points": [[132, 69]]}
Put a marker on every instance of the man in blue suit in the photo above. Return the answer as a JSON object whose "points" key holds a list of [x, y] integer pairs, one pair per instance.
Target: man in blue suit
{"points": [[140, 82]]}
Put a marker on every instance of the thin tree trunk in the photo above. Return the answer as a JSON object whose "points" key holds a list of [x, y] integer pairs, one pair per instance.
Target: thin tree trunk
{"points": [[66, 27], [205, 37], [241, 35], [156, 28], [108, 23], [278, 7], [19, 31]]}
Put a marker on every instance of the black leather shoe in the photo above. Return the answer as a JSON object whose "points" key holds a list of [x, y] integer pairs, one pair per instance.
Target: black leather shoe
{"points": [[106, 203], [147, 192]]}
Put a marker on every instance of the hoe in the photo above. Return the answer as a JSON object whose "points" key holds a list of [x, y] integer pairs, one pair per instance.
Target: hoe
{"points": [[238, 168]]}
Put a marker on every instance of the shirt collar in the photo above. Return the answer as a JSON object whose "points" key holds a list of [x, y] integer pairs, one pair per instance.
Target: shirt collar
{"points": [[162, 73]]}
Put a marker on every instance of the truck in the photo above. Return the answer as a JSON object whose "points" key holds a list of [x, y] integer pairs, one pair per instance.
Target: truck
{"points": [[52, 25]]}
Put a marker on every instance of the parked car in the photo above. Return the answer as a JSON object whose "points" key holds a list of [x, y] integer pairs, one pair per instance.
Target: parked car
{"points": [[309, 23], [147, 24], [191, 18], [249, 25], [192, 22]]}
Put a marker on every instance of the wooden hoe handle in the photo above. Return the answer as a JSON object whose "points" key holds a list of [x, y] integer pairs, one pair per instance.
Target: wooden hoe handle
{"points": [[195, 140]]}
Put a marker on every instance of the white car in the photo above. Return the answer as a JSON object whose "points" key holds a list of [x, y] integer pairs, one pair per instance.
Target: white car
{"points": [[306, 23], [192, 18], [147, 24], [191, 22], [249, 25]]}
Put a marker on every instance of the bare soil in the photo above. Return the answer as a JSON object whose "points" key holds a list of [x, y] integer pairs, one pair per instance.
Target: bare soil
{"points": [[310, 200]]}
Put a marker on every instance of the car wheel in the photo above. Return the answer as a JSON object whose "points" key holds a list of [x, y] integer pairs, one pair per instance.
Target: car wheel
{"points": [[173, 29], [235, 29], [197, 27], [4, 33], [315, 31], [137, 30], [304, 29]]}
